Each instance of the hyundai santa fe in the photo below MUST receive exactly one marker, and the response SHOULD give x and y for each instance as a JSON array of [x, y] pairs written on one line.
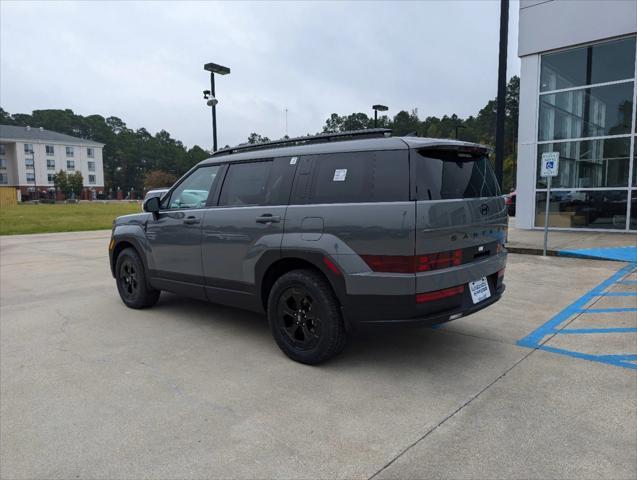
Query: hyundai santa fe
[[324, 234]]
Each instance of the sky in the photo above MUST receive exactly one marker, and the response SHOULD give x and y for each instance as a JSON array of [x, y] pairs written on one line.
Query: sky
[[143, 61]]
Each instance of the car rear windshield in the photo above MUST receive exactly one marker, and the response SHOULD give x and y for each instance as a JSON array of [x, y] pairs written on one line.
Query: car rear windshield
[[454, 174]]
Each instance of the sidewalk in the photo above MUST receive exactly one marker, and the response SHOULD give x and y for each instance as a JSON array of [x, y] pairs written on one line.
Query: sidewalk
[[609, 245]]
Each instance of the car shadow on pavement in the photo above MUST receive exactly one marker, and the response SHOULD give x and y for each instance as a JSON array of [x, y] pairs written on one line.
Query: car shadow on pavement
[[386, 347]]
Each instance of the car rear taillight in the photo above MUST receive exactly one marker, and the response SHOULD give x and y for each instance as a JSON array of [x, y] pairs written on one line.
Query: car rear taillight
[[436, 261], [439, 294], [389, 263], [413, 264]]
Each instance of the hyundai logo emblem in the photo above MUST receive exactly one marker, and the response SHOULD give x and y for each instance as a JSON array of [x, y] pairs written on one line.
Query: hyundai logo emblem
[[484, 209]]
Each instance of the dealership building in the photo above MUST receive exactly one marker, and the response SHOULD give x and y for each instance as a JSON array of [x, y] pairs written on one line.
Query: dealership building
[[578, 98]]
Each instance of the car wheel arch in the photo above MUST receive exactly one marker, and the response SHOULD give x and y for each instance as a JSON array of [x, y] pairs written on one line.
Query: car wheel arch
[[286, 264], [127, 242]]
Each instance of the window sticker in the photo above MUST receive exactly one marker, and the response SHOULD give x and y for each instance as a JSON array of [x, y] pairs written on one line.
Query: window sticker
[[293, 160], [339, 175]]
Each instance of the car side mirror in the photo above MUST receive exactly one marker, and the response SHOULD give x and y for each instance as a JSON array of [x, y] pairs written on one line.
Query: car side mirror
[[151, 205]]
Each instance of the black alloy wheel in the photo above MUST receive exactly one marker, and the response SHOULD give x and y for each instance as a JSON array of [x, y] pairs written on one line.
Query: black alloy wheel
[[305, 317], [298, 320]]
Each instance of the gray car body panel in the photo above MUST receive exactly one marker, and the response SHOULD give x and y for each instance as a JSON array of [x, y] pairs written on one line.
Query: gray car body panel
[[226, 256]]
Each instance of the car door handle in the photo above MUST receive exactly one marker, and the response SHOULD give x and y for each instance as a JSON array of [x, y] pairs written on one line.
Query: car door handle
[[191, 220], [268, 218]]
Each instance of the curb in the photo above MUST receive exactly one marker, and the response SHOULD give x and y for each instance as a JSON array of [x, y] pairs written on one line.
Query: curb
[[531, 251]]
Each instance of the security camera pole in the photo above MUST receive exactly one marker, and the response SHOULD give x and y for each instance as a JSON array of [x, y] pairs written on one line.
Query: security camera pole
[[378, 108], [212, 101]]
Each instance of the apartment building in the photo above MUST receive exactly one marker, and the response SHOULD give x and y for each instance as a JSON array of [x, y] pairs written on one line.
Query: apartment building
[[30, 157]]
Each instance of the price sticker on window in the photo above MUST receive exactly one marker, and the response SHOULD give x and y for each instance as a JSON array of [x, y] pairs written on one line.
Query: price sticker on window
[[340, 175]]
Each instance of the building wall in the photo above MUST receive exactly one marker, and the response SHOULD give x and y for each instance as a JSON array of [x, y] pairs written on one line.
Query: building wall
[[80, 158], [546, 26], [11, 167]]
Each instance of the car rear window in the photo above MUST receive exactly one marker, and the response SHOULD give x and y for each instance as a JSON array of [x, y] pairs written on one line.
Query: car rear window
[[453, 174], [360, 177]]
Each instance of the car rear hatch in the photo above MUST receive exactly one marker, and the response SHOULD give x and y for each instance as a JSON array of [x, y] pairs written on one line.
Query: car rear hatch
[[461, 224]]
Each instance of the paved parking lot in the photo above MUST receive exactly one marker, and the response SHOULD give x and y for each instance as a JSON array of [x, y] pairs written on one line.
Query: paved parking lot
[[90, 389]]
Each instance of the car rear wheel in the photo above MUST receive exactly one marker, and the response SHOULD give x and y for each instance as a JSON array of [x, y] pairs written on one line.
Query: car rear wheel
[[131, 281], [305, 317]]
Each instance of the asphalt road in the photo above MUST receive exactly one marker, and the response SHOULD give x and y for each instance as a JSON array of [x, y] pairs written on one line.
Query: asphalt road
[[91, 389]]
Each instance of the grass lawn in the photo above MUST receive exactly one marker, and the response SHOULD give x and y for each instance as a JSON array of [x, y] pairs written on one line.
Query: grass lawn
[[62, 217]]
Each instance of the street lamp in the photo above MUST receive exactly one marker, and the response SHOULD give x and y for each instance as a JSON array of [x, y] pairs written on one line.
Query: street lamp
[[378, 108], [210, 96]]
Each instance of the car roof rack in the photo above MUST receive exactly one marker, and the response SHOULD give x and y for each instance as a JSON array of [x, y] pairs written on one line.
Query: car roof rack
[[321, 138]]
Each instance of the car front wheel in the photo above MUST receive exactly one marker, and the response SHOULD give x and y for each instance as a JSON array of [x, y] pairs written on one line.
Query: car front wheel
[[131, 281]]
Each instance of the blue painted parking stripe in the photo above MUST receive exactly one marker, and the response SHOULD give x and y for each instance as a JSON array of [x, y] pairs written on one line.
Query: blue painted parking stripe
[[618, 294], [578, 331], [608, 310], [534, 338], [629, 357], [618, 361], [623, 254]]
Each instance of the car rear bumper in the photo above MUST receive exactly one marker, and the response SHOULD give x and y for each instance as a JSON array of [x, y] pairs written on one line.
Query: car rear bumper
[[361, 310]]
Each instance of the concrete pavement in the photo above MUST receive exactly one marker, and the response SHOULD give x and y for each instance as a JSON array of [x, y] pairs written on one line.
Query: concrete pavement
[[91, 389]]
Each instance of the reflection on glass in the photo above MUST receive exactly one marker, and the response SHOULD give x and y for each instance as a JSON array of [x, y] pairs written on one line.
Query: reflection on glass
[[590, 112], [604, 62], [633, 211], [589, 163], [591, 209]]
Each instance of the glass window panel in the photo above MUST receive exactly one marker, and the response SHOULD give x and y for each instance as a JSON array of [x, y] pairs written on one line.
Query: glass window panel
[[604, 62], [589, 112], [245, 184], [193, 191], [590, 209], [588, 163], [361, 177]]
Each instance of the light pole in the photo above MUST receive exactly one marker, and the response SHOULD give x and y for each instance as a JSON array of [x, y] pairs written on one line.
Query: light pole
[[502, 86], [457, 127], [209, 95], [378, 108]]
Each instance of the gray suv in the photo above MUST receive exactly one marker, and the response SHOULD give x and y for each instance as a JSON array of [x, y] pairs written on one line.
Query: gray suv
[[324, 234]]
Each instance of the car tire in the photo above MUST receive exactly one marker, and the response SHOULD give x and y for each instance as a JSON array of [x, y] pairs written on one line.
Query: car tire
[[132, 284], [305, 317]]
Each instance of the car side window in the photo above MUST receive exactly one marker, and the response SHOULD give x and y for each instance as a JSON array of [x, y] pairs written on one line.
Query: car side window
[[359, 177], [193, 191], [245, 184]]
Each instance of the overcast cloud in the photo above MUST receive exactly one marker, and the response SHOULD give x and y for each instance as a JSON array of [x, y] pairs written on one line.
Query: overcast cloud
[[143, 62]]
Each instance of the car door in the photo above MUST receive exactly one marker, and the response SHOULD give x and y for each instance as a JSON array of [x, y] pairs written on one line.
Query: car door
[[246, 224], [174, 233]]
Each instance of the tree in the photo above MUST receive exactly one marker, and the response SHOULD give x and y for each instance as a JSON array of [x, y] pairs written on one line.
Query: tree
[[76, 183], [334, 124], [61, 182], [159, 179], [256, 138]]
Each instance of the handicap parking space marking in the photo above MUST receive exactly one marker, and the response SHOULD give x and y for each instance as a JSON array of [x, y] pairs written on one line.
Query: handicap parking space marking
[[556, 326]]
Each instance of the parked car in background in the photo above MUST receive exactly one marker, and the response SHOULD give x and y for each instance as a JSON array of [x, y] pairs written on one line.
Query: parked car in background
[[155, 192], [509, 201], [324, 234]]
